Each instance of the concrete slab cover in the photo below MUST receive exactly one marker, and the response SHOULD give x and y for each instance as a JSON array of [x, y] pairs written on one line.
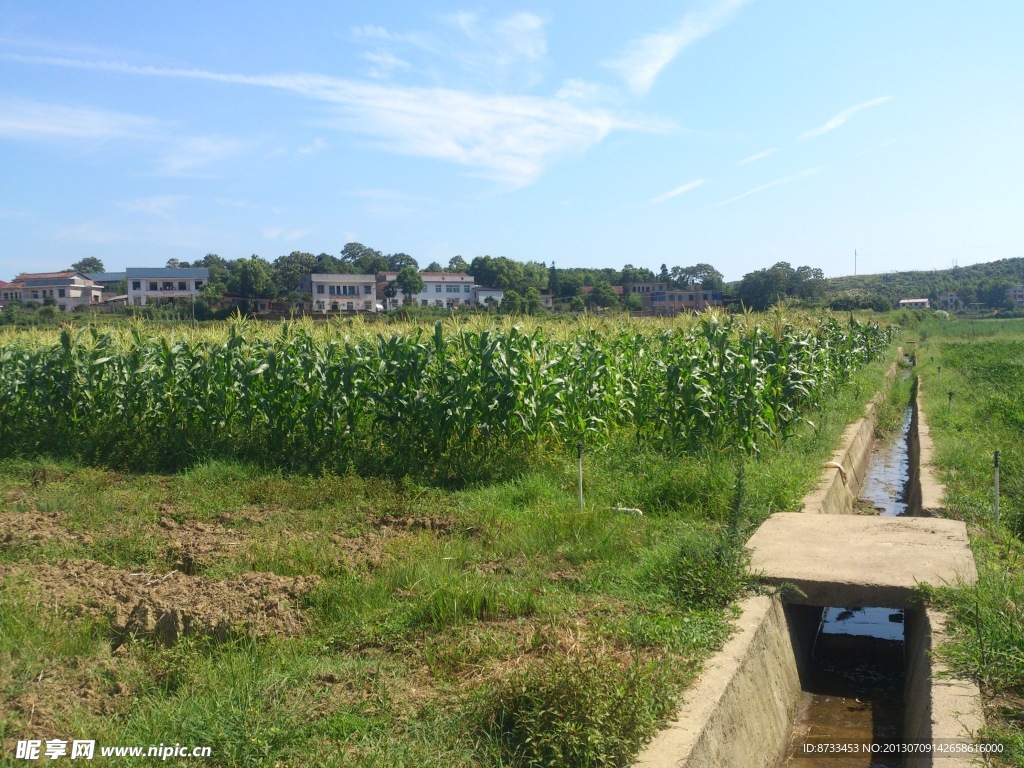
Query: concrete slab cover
[[853, 560]]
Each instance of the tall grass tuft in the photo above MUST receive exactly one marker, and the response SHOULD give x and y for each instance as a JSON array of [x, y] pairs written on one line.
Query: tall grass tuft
[[577, 711]]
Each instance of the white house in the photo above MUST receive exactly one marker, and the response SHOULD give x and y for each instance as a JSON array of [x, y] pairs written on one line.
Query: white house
[[337, 293], [915, 304], [67, 289], [440, 289], [146, 284], [493, 296]]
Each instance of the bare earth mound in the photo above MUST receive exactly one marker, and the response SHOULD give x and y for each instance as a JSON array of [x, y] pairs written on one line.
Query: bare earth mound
[[36, 527], [174, 604]]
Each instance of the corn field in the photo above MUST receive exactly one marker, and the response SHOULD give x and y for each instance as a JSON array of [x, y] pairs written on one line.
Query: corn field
[[452, 405]]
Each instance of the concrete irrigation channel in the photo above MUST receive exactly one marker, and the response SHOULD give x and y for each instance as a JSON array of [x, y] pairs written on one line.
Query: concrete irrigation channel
[[837, 668]]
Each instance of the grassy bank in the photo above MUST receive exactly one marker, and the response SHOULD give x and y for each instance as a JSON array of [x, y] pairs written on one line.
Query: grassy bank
[[982, 364]]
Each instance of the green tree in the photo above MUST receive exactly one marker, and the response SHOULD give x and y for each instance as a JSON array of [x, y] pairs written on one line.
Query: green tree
[[511, 302], [497, 272], [399, 261], [250, 278], [218, 267], [569, 284], [289, 270], [554, 281], [631, 274], [531, 302], [634, 303], [604, 294], [356, 258], [88, 264], [457, 264], [331, 265], [410, 283], [390, 292], [577, 304], [434, 267], [535, 275]]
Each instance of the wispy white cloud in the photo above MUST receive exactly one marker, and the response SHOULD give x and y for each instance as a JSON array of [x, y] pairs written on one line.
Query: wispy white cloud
[[288, 235], [841, 118], [758, 156], [777, 183], [196, 154], [387, 194], [97, 232], [877, 147], [179, 155], [581, 91], [161, 206], [383, 64], [490, 49], [688, 186], [317, 145], [508, 138], [376, 33], [645, 57], [23, 119]]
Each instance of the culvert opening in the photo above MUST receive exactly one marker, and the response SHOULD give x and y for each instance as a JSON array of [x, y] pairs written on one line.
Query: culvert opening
[[853, 674]]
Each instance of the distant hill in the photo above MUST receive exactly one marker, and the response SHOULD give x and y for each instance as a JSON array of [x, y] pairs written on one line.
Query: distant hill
[[984, 283]]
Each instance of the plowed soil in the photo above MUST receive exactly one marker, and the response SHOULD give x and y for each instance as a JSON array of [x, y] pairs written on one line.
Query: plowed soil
[[169, 606]]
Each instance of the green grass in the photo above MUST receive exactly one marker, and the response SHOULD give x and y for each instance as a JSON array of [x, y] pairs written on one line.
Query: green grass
[[982, 364]]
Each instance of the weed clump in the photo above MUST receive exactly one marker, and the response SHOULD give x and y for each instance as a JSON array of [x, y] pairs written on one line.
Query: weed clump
[[577, 711], [708, 571]]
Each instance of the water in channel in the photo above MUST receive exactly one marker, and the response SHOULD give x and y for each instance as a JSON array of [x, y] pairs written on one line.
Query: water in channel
[[853, 686]]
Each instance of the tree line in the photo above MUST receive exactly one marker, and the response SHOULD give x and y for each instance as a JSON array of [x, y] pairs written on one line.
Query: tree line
[[524, 282]]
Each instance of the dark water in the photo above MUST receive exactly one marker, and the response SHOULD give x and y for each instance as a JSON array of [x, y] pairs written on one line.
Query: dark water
[[853, 696], [853, 687]]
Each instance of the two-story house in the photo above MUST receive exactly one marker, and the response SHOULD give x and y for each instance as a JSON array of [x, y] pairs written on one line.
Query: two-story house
[[340, 293], [68, 289], [9, 292], [440, 289], [148, 284]]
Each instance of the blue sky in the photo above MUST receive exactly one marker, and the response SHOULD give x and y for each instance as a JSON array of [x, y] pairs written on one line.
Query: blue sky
[[735, 133]]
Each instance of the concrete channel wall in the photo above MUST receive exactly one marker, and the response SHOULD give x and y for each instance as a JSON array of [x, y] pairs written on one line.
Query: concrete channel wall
[[843, 476], [740, 712], [938, 706], [925, 492]]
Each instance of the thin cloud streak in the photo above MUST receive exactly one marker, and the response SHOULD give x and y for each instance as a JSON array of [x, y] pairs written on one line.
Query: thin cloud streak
[[771, 184], [841, 118], [688, 186], [758, 156], [507, 138], [22, 119], [645, 57], [182, 155]]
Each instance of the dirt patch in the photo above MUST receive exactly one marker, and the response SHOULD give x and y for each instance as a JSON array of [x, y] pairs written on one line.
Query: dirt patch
[[440, 525], [34, 527], [172, 605], [37, 710], [192, 546]]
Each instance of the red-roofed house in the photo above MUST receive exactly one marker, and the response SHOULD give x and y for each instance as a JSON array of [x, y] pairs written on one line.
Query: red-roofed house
[[68, 289], [9, 292]]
